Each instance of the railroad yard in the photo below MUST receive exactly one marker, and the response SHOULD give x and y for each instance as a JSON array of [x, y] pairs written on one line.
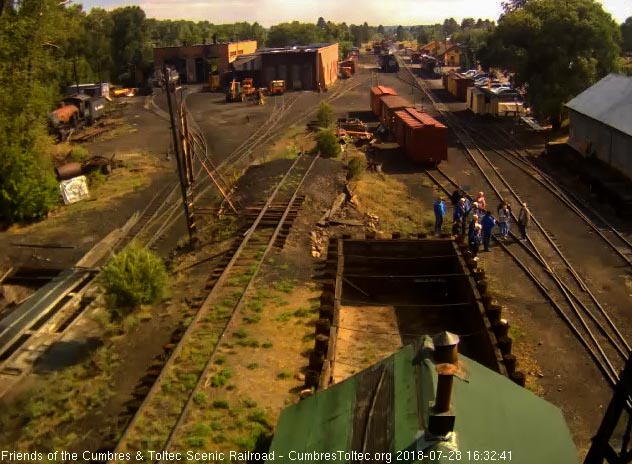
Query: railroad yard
[[304, 273]]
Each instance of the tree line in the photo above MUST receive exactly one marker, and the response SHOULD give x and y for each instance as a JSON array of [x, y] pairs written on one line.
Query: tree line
[[555, 51]]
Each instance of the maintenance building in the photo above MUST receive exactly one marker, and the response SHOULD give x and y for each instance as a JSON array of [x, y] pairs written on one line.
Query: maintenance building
[[195, 63], [305, 67], [601, 122]]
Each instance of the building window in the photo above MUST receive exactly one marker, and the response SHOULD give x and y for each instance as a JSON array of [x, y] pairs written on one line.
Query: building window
[[232, 54], [240, 52]]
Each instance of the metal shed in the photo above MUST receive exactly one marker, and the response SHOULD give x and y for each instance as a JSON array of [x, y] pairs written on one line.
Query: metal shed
[[601, 122]]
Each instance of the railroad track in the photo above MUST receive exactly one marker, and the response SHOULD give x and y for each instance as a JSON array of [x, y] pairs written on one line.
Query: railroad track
[[588, 321], [164, 410], [234, 163], [555, 276], [61, 302], [516, 160]]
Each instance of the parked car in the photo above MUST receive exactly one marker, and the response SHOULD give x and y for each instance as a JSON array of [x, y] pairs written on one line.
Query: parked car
[[470, 73], [479, 76], [482, 82], [497, 85], [504, 89]]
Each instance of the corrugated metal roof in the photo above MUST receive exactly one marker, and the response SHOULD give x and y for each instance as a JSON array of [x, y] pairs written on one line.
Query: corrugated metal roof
[[416, 118], [382, 89], [395, 101], [297, 48], [608, 101], [385, 407]]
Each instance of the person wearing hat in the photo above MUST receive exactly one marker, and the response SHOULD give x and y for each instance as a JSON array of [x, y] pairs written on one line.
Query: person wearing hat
[[475, 239], [459, 211], [472, 224], [524, 217], [475, 208], [439, 211]]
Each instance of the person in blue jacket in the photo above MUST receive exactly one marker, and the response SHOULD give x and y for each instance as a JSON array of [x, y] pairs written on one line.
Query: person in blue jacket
[[487, 223], [439, 211], [475, 239]]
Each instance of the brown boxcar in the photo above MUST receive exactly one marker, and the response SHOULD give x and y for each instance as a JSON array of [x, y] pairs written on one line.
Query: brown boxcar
[[376, 93], [444, 79], [349, 64], [390, 104], [458, 84], [422, 138]]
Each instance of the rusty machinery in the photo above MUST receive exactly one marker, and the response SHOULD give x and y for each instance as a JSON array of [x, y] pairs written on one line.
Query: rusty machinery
[[75, 112]]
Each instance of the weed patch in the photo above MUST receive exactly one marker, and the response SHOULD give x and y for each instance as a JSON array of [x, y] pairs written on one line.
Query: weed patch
[[241, 333], [221, 378], [284, 375], [221, 404]]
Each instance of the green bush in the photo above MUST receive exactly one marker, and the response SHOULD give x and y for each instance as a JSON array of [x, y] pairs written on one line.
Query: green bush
[[356, 167], [78, 154], [325, 115], [28, 189], [134, 277], [327, 144]]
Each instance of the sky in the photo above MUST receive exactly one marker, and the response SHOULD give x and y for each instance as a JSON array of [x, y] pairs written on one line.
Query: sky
[[375, 12]]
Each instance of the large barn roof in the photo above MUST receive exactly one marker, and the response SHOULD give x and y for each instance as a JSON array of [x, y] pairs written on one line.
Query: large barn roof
[[608, 101]]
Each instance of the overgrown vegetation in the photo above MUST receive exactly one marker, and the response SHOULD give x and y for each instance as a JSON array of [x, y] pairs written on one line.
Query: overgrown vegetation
[[327, 144], [221, 378], [325, 115], [356, 167], [133, 277], [37, 418]]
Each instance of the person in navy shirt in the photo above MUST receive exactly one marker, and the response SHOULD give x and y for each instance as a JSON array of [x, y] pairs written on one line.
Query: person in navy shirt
[[487, 223], [439, 211]]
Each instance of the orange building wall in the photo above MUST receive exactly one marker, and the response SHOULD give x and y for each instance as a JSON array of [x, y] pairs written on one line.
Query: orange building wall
[[241, 48], [452, 58], [225, 53], [328, 64]]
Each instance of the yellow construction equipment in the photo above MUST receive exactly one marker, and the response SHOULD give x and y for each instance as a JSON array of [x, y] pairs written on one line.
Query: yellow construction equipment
[[234, 93], [277, 87], [247, 87], [213, 82], [260, 98]]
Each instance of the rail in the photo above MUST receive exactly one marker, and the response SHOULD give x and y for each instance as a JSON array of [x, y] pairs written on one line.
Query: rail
[[201, 330], [614, 340]]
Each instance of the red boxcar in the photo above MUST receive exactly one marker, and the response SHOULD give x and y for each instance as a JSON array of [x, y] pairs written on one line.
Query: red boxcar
[[390, 104], [349, 64], [376, 93], [422, 138]]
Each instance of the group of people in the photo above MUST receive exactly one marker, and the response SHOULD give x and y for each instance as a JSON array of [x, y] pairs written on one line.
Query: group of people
[[474, 219]]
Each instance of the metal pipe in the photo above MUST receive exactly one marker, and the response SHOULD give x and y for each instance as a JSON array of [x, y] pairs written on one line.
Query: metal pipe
[[445, 379]]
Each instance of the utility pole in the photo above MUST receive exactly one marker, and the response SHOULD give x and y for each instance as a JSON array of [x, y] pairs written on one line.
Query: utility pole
[[74, 69], [185, 187]]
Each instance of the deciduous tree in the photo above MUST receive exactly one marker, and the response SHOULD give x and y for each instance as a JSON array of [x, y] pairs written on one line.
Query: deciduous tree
[[450, 26], [626, 33], [556, 50]]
